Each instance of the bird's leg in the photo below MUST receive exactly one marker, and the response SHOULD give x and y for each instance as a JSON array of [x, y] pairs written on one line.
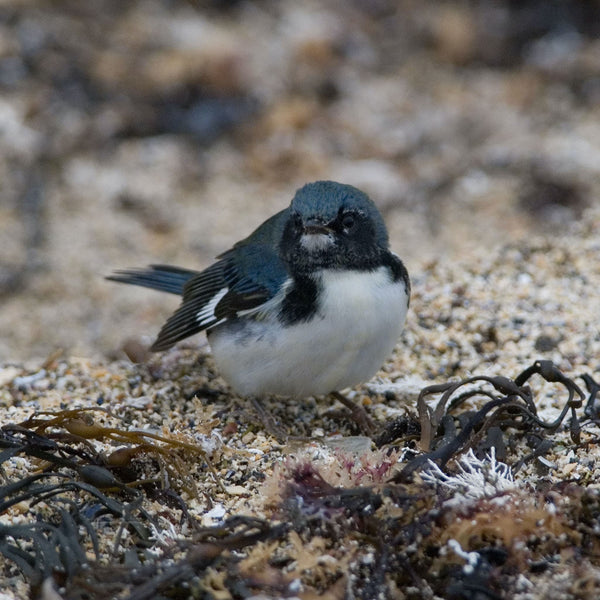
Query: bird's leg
[[268, 420], [358, 412]]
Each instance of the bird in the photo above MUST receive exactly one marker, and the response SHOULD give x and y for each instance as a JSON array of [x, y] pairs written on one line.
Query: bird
[[310, 303]]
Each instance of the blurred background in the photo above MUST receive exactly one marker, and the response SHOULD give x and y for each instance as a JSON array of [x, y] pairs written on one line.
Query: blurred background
[[135, 132]]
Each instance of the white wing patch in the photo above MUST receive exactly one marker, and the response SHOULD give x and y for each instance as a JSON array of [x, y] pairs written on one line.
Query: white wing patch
[[270, 307], [207, 314]]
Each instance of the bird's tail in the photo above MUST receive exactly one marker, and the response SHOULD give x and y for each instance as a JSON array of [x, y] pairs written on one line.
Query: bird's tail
[[157, 277]]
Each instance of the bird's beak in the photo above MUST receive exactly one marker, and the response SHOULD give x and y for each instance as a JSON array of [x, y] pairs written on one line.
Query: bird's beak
[[316, 227], [316, 236]]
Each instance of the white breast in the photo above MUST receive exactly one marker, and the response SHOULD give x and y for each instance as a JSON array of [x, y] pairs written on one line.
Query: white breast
[[358, 321]]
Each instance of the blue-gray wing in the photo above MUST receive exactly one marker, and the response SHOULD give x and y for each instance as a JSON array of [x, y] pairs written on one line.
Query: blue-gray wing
[[243, 279], [240, 281]]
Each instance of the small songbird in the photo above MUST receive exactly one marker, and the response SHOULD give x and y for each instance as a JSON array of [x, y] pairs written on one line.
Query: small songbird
[[312, 302]]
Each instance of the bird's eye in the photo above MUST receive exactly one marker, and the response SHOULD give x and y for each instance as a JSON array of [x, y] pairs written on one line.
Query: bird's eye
[[348, 222]]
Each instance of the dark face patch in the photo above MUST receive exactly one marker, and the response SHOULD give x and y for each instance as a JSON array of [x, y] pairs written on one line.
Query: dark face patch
[[325, 200], [349, 230]]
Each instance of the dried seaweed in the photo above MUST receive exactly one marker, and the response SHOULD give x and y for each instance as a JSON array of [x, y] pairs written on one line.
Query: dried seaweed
[[315, 508], [410, 551], [71, 492], [510, 405], [178, 572], [309, 497], [402, 534], [63, 512], [63, 439], [591, 410]]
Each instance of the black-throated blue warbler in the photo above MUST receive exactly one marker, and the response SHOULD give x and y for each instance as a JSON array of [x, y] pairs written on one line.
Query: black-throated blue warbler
[[312, 302]]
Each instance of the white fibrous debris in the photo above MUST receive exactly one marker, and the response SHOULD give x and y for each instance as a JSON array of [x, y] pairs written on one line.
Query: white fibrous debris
[[164, 537], [472, 558], [476, 478]]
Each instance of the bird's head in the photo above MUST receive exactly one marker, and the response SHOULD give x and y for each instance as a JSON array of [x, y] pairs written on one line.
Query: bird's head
[[333, 225]]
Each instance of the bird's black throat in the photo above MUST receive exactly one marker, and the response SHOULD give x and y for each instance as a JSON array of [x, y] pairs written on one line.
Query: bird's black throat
[[300, 302]]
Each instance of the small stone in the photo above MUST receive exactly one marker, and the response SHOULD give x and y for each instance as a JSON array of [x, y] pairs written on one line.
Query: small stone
[[248, 437], [136, 351], [236, 490], [545, 343], [8, 374]]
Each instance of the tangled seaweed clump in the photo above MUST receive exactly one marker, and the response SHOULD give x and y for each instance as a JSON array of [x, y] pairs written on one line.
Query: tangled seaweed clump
[[432, 512]]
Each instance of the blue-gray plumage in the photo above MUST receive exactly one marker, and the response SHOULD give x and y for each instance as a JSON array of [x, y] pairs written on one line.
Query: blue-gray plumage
[[312, 302]]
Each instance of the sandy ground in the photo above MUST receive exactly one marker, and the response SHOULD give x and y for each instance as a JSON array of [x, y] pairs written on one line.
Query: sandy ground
[[165, 131], [323, 511], [144, 132]]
